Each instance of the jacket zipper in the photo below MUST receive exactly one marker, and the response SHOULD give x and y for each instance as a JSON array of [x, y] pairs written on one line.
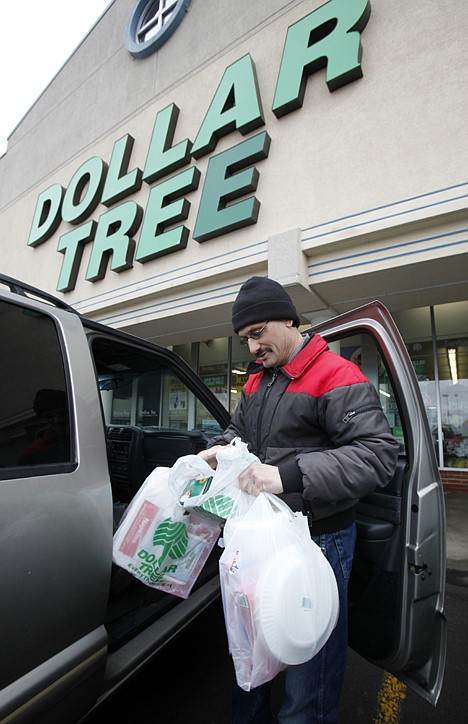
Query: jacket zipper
[[352, 413], [262, 409], [274, 376]]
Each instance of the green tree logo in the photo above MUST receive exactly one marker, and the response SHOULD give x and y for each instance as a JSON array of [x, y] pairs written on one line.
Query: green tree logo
[[173, 537]]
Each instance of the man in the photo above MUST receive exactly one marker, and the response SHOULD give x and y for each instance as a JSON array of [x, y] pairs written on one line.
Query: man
[[315, 422]]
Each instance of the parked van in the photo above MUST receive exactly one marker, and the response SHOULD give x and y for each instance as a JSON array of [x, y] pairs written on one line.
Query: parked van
[[86, 413]]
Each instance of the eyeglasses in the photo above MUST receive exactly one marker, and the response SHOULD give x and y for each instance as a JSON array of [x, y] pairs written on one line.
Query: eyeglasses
[[254, 334]]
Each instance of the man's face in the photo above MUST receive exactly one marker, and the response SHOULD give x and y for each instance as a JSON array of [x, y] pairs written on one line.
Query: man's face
[[272, 342]]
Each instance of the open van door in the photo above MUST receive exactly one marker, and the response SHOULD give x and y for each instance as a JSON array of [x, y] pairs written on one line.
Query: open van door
[[396, 597]]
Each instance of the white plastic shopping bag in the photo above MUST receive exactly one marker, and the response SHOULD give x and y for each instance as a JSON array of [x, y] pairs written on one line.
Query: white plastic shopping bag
[[279, 592], [159, 543], [196, 485]]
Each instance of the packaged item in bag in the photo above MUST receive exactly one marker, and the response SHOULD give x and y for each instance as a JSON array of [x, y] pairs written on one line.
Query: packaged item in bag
[[159, 543], [280, 595], [196, 485], [190, 480]]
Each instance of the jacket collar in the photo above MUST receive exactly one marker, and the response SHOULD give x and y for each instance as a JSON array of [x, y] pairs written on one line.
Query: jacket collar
[[299, 363]]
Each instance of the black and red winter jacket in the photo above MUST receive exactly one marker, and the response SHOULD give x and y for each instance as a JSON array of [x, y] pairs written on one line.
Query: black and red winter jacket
[[319, 420]]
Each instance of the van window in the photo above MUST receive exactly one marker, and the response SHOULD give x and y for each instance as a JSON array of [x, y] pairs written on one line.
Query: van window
[[140, 389], [34, 410], [363, 351]]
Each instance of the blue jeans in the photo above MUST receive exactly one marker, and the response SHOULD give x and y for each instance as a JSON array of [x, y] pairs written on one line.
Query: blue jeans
[[312, 690]]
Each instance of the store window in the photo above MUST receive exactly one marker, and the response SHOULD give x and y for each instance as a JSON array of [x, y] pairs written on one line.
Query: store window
[[140, 389], [451, 322], [240, 360], [437, 341], [213, 366], [152, 399]]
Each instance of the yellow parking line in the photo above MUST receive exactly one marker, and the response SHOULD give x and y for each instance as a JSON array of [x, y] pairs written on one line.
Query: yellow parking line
[[391, 695]]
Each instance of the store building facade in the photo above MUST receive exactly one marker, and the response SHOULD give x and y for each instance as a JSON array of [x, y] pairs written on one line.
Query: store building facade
[[187, 145]]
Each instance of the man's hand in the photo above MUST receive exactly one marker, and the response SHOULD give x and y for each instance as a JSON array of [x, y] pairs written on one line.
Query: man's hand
[[261, 478], [210, 455]]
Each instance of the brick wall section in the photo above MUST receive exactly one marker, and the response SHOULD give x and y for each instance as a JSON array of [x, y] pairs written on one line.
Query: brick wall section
[[455, 481]]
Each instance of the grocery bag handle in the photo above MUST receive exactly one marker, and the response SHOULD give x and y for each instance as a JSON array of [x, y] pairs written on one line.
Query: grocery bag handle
[[275, 502]]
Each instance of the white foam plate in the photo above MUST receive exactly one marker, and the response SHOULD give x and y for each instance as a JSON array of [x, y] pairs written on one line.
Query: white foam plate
[[298, 606]]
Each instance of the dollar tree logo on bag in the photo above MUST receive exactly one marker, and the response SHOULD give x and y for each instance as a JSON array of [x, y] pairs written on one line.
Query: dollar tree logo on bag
[[220, 505], [172, 536]]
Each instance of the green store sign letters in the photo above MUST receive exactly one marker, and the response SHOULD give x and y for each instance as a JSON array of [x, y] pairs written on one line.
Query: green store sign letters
[[329, 36]]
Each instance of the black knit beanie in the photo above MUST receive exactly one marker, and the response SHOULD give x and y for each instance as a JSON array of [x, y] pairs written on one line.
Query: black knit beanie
[[262, 300]]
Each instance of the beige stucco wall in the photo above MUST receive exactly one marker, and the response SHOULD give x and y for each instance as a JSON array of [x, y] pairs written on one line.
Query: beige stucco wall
[[363, 193]]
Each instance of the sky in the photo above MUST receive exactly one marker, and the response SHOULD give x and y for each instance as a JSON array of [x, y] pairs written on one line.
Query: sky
[[36, 38]]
